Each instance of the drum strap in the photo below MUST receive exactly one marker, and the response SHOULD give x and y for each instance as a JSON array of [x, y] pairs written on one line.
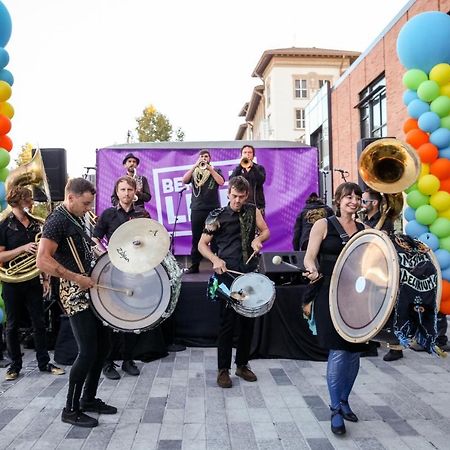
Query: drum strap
[[342, 233]]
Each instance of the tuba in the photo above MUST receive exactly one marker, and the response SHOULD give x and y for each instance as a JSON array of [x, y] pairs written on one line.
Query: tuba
[[201, 174], [389, 166], [23, 267]]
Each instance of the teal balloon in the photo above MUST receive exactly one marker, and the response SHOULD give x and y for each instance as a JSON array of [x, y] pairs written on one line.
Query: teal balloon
[[5, 25], [415, 229], [426, 214], [413, 78], [415, 199], [444, 153], [441, 106], [409, 213], [2, 192], [430, 239], [4, 58], [423, 41], [4, 172], [443, 257], [3, 203], [6, 75], [429, 122], [1, 315], [417, 107], [441, 227], [5, 158], [408, 96], [428, 91], [440, 138]]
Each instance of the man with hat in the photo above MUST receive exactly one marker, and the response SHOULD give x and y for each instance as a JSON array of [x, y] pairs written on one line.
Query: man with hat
[[131, 162]]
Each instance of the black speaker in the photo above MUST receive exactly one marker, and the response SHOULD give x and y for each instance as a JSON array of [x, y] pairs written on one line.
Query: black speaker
[[55, 164], [283, 273]]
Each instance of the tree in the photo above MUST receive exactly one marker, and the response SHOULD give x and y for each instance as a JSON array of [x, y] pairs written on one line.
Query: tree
[[154, 126]]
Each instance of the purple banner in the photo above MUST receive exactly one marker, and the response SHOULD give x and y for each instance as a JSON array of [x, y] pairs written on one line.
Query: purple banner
[[291, 176]]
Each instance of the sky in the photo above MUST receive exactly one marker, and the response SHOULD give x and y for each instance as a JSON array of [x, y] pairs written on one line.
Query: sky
[[84, 70]]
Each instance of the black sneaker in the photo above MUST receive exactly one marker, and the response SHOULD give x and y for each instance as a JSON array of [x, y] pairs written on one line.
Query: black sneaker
[[54, 370], [109, 370], [78, 419], [193, 269], [98, 406], [393, 355], [130, 368]]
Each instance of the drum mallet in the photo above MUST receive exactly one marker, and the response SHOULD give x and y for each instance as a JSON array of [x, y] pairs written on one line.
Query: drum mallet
[[277, 260], [128, 292]]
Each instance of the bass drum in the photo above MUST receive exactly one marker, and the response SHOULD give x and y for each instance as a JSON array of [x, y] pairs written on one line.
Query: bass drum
[[151, 297], [380, 290]]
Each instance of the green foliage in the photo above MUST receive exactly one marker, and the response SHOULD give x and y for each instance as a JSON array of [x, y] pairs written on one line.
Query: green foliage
[[154, 126]]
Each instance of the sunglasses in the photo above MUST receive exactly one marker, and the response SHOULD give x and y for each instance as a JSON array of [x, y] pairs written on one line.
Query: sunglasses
[[367, 201]]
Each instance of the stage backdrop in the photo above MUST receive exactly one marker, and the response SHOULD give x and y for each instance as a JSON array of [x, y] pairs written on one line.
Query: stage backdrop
[[291, 168]]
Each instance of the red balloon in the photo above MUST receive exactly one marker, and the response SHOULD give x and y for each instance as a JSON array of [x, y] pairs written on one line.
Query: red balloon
[[428, 153], [6, 142], [416, 138], [410, 124], [5, 124], [440, 168], [445, 185]]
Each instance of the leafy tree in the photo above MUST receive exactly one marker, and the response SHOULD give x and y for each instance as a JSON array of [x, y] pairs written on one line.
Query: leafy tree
[[154, 126]]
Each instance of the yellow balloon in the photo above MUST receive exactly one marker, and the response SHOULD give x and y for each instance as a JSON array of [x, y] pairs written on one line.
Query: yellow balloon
[[7, 110], [440, 73], [5, 91], [424, 170], [440, 201], [445, 90], [428, 184], [445, 214]]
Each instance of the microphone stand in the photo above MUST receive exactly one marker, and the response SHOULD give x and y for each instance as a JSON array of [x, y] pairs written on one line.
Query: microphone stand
[[172, 237]]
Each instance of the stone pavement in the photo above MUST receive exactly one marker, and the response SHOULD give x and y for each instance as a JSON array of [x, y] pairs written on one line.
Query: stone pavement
[[175, 404]]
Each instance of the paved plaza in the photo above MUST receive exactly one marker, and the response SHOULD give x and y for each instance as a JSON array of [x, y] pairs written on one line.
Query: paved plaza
[[176, 404]]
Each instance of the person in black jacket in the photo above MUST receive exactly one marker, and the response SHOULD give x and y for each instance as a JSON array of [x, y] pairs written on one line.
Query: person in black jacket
[[314, 210], [255, 174]]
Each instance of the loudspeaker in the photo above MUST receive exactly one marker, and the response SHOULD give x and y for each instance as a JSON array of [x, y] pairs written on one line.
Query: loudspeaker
[[282, 273], [55, 164]]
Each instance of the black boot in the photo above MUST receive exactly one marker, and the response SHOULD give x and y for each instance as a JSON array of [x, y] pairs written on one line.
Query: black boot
[[337, 421], [393, 355], [347, 412]]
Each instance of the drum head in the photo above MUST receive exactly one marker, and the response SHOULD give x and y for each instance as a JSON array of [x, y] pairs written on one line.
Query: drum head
[[151, 292], [364, 286]]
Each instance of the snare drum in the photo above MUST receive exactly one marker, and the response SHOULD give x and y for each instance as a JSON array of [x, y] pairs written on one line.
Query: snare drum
[[154, 295], [257, 293]]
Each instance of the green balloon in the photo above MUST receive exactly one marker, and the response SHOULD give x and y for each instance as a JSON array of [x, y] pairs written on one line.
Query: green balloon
[[441, 106], [444, 243], [426, 214], [428, 90], [445, 122], [4, 173], [413, 78], [5, 158], [441, 227], [413, 187], [415, 199]]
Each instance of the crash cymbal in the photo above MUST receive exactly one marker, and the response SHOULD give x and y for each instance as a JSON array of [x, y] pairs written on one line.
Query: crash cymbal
[[138, 245]]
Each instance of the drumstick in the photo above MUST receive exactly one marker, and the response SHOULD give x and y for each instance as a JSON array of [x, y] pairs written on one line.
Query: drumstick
[[251, 256], [75, 254], [125, 291], [235, 271]]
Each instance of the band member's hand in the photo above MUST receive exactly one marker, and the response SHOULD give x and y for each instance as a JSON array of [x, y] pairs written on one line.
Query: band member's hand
[[84, 282], [312, 275], [98, 250], [307, 309], [31, 247], [256, 245], [46, 288], [219, 266], [199, 160]]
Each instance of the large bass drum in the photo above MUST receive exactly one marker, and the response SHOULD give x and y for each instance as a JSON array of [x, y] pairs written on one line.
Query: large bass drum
[[151, 298], [385, 289]]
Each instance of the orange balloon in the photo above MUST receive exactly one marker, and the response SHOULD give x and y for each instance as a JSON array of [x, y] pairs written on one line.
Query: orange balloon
[[410, 124], [445, 295], [416, 138], [428, 153], [445, 185], [440, 168], [5, 124], [444, 307], [6, 142]]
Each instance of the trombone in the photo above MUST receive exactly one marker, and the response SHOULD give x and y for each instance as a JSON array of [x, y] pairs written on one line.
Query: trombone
[[245, 162]]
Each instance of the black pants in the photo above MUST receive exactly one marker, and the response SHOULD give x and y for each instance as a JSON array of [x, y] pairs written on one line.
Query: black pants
[[441, 329], [197, 224], [15, 296], [93, 344], [121, 343], [228, 319]]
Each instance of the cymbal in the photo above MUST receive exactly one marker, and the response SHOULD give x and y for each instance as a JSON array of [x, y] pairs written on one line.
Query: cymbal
[[138, 245]]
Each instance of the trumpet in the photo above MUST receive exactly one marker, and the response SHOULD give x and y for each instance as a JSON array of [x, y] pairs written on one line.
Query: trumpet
[[202, 165], [246, 163], [134, 169]]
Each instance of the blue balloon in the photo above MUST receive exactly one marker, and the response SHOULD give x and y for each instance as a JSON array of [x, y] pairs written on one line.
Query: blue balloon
[[430, 239], [4, 58], [7, 76], [444, 153], [1, 315], [5, 25], [2, 190], [443, 256], [415, 229], [417, 107], [440, 138], [428, 121], [446, 274], [409, 96], [424, 40], [409, 214]]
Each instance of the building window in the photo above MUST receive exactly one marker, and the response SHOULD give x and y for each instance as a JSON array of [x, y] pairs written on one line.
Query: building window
[[268, 93], [300, 118], [301, 89], [322, 83], [372, 109]]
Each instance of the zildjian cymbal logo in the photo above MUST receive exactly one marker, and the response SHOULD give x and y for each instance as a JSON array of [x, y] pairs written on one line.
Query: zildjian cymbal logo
[[123, 254], [155, 232]]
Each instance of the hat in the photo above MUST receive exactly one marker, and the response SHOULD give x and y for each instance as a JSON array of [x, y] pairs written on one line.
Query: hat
[[130, 155]]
